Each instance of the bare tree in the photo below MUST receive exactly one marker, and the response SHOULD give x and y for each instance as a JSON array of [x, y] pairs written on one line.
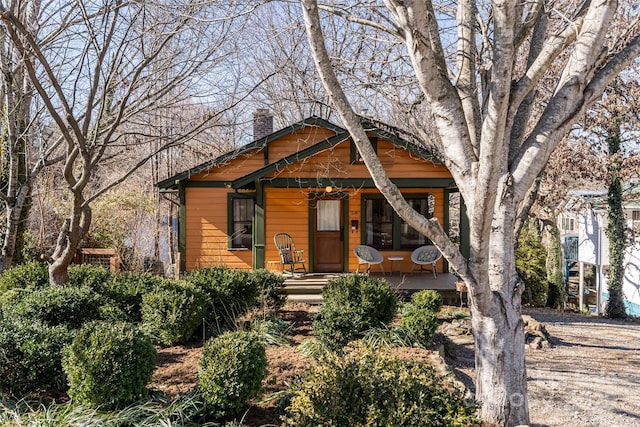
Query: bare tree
[[491, 138], [106, 71], [25, 146]]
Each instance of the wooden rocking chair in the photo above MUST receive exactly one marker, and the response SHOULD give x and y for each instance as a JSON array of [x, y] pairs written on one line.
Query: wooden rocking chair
[[289, 256]]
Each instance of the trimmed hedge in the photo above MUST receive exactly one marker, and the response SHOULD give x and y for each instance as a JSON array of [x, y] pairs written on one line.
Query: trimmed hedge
[[351, 305], [109, 364], [372, 388], [172, 311], [31, 355], [231, 293], [231, 370], [30, 276], [125, 291], [54, 306]]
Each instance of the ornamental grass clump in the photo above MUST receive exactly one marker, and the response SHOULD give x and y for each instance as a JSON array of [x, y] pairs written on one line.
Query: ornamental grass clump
[[231, 370], [352, 304], [109, 364]]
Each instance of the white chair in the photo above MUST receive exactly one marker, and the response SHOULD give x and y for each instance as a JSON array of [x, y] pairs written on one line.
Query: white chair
[[426, 256], [368, 255]]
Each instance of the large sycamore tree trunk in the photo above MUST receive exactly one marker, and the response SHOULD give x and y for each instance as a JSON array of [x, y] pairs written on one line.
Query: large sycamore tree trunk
[[494, 146]]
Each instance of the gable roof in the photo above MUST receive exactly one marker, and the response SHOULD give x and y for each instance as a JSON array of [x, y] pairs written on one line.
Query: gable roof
[[374, 128], [258, 143]]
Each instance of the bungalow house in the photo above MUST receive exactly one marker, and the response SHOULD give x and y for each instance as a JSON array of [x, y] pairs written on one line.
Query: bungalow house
[[306, 180], [583, 232]]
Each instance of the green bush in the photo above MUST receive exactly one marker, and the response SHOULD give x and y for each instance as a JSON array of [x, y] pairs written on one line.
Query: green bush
[[371, 388], [30, 276], [109, 364], [125, 292], [270, 295], [419, 317], [531, 258], [231, 293], [427, 299], [231, 370], [54, 306], [91, 276], [31, 355], [351, 305], [172, 311]]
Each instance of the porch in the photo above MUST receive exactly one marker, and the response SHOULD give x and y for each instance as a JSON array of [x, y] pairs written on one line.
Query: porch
[[308, 288]]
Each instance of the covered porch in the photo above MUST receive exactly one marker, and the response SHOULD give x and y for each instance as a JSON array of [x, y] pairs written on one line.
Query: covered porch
[[308, 288]]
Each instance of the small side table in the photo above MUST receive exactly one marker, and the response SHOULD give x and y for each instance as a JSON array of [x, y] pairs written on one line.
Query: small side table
[[392, 259]]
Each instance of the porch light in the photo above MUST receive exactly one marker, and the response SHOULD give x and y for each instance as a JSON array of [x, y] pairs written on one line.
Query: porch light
[[328, 189]]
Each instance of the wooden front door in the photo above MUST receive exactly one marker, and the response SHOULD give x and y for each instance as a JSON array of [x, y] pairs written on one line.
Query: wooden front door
[[328, 248]]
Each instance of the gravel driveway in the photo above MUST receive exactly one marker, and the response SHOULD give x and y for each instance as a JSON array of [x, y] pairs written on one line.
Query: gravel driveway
[[590, 377]]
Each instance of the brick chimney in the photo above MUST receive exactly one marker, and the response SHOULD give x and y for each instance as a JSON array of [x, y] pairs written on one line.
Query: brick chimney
[[262, 123]]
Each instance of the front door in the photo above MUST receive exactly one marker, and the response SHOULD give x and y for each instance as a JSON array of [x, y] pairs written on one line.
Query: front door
[[328, 249]]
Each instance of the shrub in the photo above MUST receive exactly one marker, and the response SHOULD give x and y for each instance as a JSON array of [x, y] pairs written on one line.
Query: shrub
[[230, 292], [59, 306], [351, 305], [231, 370], [91, 276], [531, 258], [30, 276], [172, 311], [125, 292], [269, 289], [31, 355], [419, 318], [427, 299], [371, 388], [109, 364]]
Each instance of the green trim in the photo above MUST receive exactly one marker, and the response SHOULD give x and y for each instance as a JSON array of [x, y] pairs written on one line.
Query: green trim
[[259, 232], [206, 184], [354, 155], [259, 143], [230, 198], [182, 228], [294, 158], [344, 183], [421, 151], [311, 224]]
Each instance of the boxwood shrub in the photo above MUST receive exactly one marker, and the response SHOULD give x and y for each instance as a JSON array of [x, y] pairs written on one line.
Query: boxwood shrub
[[55, 305], [372, 388], [125, 292], [419, 317], [172, 311], [231, 370], [231, 293], [109, 364], [30, 276], [351, 305], [31, 355], [91, 276]]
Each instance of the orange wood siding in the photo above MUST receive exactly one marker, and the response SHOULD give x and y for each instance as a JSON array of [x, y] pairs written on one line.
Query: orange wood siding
[[336, 163], [297, 141], [206, 231], [254, 159], [286, 211]]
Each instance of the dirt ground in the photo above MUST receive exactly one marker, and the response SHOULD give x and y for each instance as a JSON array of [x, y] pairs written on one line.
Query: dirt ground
[[588, 377]]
